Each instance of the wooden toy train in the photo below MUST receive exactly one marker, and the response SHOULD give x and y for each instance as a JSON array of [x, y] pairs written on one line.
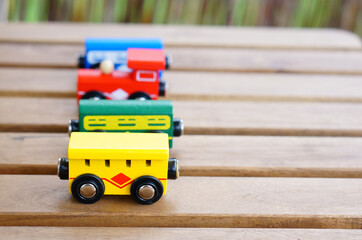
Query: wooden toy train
[[135, 164], [141, 81], [115, 49], [127, 116], [121, 147]]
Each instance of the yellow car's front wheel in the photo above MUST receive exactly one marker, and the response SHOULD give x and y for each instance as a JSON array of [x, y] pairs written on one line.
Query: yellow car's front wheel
[[146, 190], [87, 188]]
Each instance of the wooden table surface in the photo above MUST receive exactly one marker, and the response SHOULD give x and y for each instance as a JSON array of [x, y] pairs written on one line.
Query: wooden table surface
[[272, 144]]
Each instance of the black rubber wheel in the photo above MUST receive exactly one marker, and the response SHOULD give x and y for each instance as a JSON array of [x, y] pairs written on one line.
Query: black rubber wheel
[[95, 66], [168, 62], [95, 95], [154, 131], [162, 88], [81, 61], [92, 180], [173, 169], [178, 127], [63, 168], [148, 181], [73, 126], [140, 96]]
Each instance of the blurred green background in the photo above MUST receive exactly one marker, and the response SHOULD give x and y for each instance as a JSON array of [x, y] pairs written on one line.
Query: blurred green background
[[345, 14]]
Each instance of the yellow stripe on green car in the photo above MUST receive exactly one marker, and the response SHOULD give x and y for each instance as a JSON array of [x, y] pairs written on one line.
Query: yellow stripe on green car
[[127, 122]]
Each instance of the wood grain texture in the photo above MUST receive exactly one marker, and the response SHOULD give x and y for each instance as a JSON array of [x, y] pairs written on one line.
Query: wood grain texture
[[194, 36], [15, 233], [243, 156], [199, 59], [38, 82], [202, 86], [209, 202], [208, 117], [233, 103], [275, 61]]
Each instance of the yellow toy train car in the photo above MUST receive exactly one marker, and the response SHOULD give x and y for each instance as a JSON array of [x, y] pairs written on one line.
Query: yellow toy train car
[[134, 164]]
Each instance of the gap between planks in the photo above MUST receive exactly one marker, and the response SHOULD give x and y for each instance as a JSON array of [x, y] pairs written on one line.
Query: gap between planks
[[228, 156], [209, 202], [62, 128], [202, 171], [185, 97]]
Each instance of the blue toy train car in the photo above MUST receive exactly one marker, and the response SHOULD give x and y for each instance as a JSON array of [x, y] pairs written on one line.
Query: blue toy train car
[[115, 49]]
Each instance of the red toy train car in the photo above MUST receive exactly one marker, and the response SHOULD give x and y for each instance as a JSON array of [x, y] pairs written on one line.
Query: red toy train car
[[139, 81]]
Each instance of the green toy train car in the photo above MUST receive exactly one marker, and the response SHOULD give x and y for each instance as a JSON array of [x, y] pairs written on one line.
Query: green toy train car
[[127, 116]]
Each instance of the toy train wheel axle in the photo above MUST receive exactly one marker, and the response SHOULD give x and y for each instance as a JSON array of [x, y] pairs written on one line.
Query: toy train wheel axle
[[146, 192], [88, 190]]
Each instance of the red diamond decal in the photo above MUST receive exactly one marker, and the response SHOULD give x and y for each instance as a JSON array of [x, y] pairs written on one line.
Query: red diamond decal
[[120, 179]]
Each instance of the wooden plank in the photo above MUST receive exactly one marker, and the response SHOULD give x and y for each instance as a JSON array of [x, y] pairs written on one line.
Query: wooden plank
[[194, 36], [209, 202], [38, 82], [15, 233], [199, 59], [208, 117], [35, 82], [275, 61], [243, 156]]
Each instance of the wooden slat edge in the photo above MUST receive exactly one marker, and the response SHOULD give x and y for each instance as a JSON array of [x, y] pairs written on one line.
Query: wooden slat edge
[[14, 233]]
